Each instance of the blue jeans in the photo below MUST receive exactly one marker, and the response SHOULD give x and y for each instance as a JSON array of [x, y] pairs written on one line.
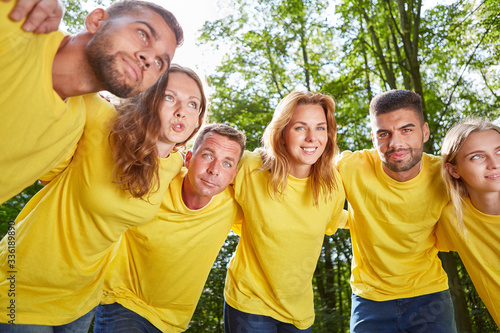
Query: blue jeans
[[236, 321], [81, 325], [422, 314], [115, 317]]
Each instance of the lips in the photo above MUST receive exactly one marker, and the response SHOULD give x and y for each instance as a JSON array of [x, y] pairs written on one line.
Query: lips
[[397, 155], [309, 150], [178, 127], [208, 183], [493, 177], [132, 69]]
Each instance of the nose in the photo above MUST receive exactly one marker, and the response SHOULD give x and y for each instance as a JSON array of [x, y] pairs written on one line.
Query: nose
[[310, 136], [494, 162], [213, 168], [146, 58], [179, 111], [395, 140]]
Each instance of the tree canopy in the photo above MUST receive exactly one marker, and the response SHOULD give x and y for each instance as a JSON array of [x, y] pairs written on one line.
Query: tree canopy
[[352, 50]]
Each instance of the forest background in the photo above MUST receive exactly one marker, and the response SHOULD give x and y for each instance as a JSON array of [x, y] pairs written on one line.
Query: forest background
[[448, 53]]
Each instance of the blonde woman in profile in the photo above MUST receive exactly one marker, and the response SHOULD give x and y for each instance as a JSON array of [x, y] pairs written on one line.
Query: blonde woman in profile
[[291, 195], [470, 224]]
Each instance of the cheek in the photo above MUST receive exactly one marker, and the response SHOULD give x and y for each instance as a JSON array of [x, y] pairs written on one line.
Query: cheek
[[165, 116], [469, 173], [192, 121], [149, 79], [291, 139]]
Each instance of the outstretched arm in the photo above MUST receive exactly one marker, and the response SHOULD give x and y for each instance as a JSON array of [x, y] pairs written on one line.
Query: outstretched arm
[[42, 16]]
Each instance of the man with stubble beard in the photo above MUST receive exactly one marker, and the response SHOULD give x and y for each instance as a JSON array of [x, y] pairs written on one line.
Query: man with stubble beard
[[396, 196], [47, 79]]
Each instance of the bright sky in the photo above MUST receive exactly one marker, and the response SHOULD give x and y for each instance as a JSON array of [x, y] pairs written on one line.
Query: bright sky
[[191, 15]]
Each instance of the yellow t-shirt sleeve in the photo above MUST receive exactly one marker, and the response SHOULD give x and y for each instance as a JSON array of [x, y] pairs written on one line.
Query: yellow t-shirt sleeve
[[445, 226]]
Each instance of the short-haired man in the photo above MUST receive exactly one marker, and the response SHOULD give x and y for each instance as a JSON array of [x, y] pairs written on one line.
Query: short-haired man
[[396, 196], [124, 50], [158, 274]]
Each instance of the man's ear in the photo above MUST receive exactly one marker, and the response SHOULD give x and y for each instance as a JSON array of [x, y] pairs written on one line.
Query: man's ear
[[453, 172], [95, 20], [187, 159], [426, 132]]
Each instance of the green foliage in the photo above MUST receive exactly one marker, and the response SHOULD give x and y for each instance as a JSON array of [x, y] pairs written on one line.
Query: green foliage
[[331, 284], [208, 316], [288, 48], [77, 11], [11, 208], [353, 50]]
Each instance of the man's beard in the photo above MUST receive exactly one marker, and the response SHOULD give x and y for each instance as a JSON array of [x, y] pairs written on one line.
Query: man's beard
[[401, 166], [103, 65]]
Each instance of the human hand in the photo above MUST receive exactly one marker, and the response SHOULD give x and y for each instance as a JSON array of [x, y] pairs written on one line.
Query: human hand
[[42, 16]]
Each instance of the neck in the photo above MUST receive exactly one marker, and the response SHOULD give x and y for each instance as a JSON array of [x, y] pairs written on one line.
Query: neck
[[403, 176], [164, 149], [301, 172], [71, 72], [191, 198], [487, 203]]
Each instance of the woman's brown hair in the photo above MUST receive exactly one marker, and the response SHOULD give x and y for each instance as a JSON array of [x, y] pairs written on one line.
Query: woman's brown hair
[[135, 133]]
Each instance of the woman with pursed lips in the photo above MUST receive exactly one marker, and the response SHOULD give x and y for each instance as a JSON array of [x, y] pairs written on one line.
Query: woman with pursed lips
[[116, 179]]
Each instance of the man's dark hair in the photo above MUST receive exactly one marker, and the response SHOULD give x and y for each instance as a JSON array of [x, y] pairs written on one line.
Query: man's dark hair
[[127, 6], [393, 100]]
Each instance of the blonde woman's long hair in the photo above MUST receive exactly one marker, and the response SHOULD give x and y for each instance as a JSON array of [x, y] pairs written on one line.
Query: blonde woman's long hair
[[276, 158], [452, 144]]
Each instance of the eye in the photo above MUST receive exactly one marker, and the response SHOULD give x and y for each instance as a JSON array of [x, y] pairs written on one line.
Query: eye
[[476, 157], [299, 128], [193, 105], [226, 164], [169, 98], [143, 35], [406, 130], [207, 156], [321, 128], [158, 63], [382, 135]]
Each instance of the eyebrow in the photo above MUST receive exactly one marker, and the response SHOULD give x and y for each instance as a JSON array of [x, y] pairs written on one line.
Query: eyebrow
[[479, 151], [208, 149], [151, 29], [175, 93], [213, 152], [474, 153], [410, 125], [304, 123], [165, 56]]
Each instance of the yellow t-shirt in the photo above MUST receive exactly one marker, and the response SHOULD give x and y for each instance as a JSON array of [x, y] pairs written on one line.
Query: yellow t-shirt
[[65, 236], [392, 227], [271, 272], [479, 251], [37, 129], [161, 267]]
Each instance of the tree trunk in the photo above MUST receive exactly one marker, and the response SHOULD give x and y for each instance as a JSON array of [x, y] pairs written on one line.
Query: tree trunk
[[462, 318]]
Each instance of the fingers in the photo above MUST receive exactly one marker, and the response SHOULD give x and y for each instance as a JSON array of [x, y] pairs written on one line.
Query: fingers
[[42, 16], [47, 26]]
